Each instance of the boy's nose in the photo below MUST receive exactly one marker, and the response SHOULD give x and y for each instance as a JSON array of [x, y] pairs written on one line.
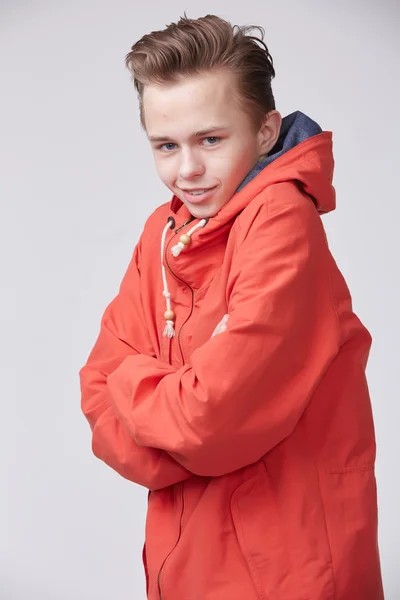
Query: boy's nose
[[191, 167]]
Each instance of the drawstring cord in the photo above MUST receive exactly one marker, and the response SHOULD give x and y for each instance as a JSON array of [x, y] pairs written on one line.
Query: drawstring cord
[[184, 241], [169, 314]]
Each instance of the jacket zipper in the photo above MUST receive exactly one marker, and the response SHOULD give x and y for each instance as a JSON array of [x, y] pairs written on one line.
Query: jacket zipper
[[183, 325], [183, 483], [184, 225], [176, 543]]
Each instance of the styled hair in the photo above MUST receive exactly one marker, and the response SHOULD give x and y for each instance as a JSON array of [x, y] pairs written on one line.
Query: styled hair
[[195, 46]]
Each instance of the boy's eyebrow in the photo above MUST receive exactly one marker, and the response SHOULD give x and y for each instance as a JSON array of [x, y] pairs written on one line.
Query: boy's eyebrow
[[203, 132]]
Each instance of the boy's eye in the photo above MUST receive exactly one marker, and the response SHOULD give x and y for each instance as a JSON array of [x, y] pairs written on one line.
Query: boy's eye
[[213, 137], [168, 146]]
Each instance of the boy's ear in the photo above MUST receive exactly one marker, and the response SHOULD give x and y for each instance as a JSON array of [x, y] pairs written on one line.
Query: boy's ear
[[269, 132]]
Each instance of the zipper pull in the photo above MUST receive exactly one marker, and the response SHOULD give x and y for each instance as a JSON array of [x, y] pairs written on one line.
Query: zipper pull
[[184, 225]]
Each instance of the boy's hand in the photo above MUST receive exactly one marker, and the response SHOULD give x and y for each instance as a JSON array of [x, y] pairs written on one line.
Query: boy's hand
[[221, 325]]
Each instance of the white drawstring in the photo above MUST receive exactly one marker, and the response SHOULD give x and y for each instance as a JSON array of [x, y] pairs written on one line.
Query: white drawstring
[[185, 239], [169, 314]]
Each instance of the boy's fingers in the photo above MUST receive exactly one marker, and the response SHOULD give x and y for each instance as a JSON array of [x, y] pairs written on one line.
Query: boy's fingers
[[221, 325]]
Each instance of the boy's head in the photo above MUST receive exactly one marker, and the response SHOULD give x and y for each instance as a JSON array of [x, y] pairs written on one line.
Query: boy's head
[[206, 105]]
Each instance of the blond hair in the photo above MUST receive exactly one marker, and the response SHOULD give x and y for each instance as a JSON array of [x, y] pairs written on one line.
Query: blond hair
[[195, 46]]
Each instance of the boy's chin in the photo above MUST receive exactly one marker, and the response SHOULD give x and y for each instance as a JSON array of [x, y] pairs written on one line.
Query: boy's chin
[[203, 211]]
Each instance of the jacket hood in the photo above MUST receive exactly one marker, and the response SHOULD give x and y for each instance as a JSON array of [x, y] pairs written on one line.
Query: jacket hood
[[303, 153]]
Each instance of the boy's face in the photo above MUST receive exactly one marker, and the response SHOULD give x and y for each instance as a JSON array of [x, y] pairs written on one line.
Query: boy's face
[[205, 139]]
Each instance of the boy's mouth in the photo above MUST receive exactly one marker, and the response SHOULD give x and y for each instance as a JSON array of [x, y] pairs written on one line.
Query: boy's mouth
[[198, 195]]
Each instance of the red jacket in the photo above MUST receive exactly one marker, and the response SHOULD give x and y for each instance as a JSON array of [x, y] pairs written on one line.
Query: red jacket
[[257, 444]]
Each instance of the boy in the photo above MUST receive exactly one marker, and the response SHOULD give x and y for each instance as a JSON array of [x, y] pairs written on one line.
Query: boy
[[228, 377]]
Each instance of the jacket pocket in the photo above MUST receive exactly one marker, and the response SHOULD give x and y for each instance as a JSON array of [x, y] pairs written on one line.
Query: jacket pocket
[[272, 541]]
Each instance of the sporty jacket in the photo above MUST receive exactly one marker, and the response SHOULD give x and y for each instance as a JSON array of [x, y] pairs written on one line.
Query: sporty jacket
[[256, 444]]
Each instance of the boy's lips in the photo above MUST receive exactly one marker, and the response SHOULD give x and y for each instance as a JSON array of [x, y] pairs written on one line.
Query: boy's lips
[[197, 198]]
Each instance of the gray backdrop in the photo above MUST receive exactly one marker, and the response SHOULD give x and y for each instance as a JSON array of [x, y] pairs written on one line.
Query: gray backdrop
[[77, 182]]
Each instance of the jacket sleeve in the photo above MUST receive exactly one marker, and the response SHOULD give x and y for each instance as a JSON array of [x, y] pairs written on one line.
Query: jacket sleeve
[[122, 334], [245, 389]]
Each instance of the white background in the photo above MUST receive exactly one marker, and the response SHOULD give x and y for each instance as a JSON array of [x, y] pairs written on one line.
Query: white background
[[77, 183]]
